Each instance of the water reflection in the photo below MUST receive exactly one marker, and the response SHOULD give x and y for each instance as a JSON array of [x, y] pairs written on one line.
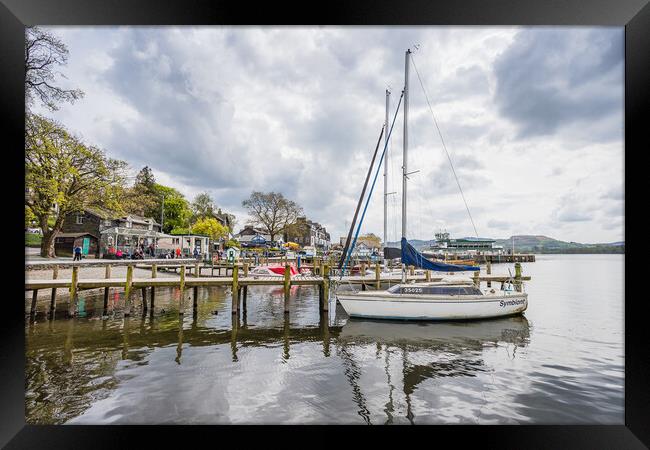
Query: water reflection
[[264, 366], [461, 343]]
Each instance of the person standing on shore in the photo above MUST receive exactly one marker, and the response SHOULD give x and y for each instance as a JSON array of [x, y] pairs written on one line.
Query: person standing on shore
[[77, 253]]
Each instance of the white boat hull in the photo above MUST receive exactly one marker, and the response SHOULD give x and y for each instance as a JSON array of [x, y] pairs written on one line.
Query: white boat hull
[[405, 307]]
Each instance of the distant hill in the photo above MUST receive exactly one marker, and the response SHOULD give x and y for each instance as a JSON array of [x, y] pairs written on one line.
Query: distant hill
[[538, 244], [417, 243], [545, 244]]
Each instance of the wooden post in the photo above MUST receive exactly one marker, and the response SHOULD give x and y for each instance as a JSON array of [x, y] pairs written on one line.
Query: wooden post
[[245, 269], [378, 276], [287, 287], [518, 277], [244, 297], [107, 275], [197, 270], [195, 301], [154, 271], [477, 282], [127, 290], [55, 275], [182, 287], [73, 290], [153, 297], [326, 287], [489, 271], [144, 300], [427, 274], [235, 289], [412, 270], [32, 309]]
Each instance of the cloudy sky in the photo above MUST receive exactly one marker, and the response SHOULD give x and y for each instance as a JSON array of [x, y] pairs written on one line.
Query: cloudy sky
[[532, 118]]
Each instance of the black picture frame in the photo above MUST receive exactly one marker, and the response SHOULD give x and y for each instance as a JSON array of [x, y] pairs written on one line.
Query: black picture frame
[[634, 15]]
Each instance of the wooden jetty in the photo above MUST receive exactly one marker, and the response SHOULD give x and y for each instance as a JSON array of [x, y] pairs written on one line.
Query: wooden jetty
[[238, 282]]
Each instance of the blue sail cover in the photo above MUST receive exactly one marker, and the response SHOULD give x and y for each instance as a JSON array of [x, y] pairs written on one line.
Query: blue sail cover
[[411, 257]]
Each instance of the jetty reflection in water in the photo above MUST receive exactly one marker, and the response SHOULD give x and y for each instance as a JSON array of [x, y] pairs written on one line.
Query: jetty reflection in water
[[166, 368]]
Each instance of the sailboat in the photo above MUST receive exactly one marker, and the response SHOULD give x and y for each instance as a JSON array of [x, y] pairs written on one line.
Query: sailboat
[[453, 298]]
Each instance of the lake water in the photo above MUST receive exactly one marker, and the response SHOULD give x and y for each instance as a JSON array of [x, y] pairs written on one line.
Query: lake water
[[562, 362]]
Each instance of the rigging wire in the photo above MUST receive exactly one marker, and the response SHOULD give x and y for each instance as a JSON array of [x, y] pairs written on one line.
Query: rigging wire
[[356, 235], [444, 146]]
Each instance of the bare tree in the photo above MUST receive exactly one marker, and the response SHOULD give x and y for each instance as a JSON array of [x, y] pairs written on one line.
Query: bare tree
[[271, 211], [43, 53]]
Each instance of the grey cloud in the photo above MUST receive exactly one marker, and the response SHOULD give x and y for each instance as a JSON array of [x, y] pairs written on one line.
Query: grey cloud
[[553, 78], [615, 193], [499, 224]]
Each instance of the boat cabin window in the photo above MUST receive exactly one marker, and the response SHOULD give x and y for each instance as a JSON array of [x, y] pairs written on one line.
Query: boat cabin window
[[435, 290]]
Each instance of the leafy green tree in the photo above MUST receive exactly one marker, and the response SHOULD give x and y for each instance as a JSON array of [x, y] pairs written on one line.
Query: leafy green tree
[[210, 227], [232, 243], [43, 53], [177, 211], [62, 171], [370, 239]]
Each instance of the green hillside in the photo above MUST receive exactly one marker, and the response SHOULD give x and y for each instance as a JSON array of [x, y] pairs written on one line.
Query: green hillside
[[545, 244], [538, 244]]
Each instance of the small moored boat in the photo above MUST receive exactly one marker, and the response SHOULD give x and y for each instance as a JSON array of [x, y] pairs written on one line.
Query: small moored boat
[[445, 300]]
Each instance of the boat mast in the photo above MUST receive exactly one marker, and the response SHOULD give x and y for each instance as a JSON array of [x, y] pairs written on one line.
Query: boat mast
[[386, 174], [406, 141], [405, 152]]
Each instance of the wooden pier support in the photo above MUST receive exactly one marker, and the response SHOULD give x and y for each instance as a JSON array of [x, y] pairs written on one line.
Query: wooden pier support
[[287, 287], [235, 289], [477, 281], [144, 300], [195, 300], [518, 277], [244, 297], [73, 291], [154, 271], [127, 290], [197, 270], [245, 269], [489, 272], [153, 297], [326, 287], [377, 276], [32, 309], [55, 275], [107, 275], [427, 274], [181, 302]]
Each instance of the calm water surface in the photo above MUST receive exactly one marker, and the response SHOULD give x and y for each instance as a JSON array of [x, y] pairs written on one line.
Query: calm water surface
[[560, 363]]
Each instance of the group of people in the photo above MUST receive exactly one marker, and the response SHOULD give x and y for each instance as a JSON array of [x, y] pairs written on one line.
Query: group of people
[[171, 254], [138, 253]]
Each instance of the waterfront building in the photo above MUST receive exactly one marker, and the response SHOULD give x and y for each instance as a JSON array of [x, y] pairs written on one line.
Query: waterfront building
[[468, 245], [308, 234], [186, 243], [250, 236], [107, 231]]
